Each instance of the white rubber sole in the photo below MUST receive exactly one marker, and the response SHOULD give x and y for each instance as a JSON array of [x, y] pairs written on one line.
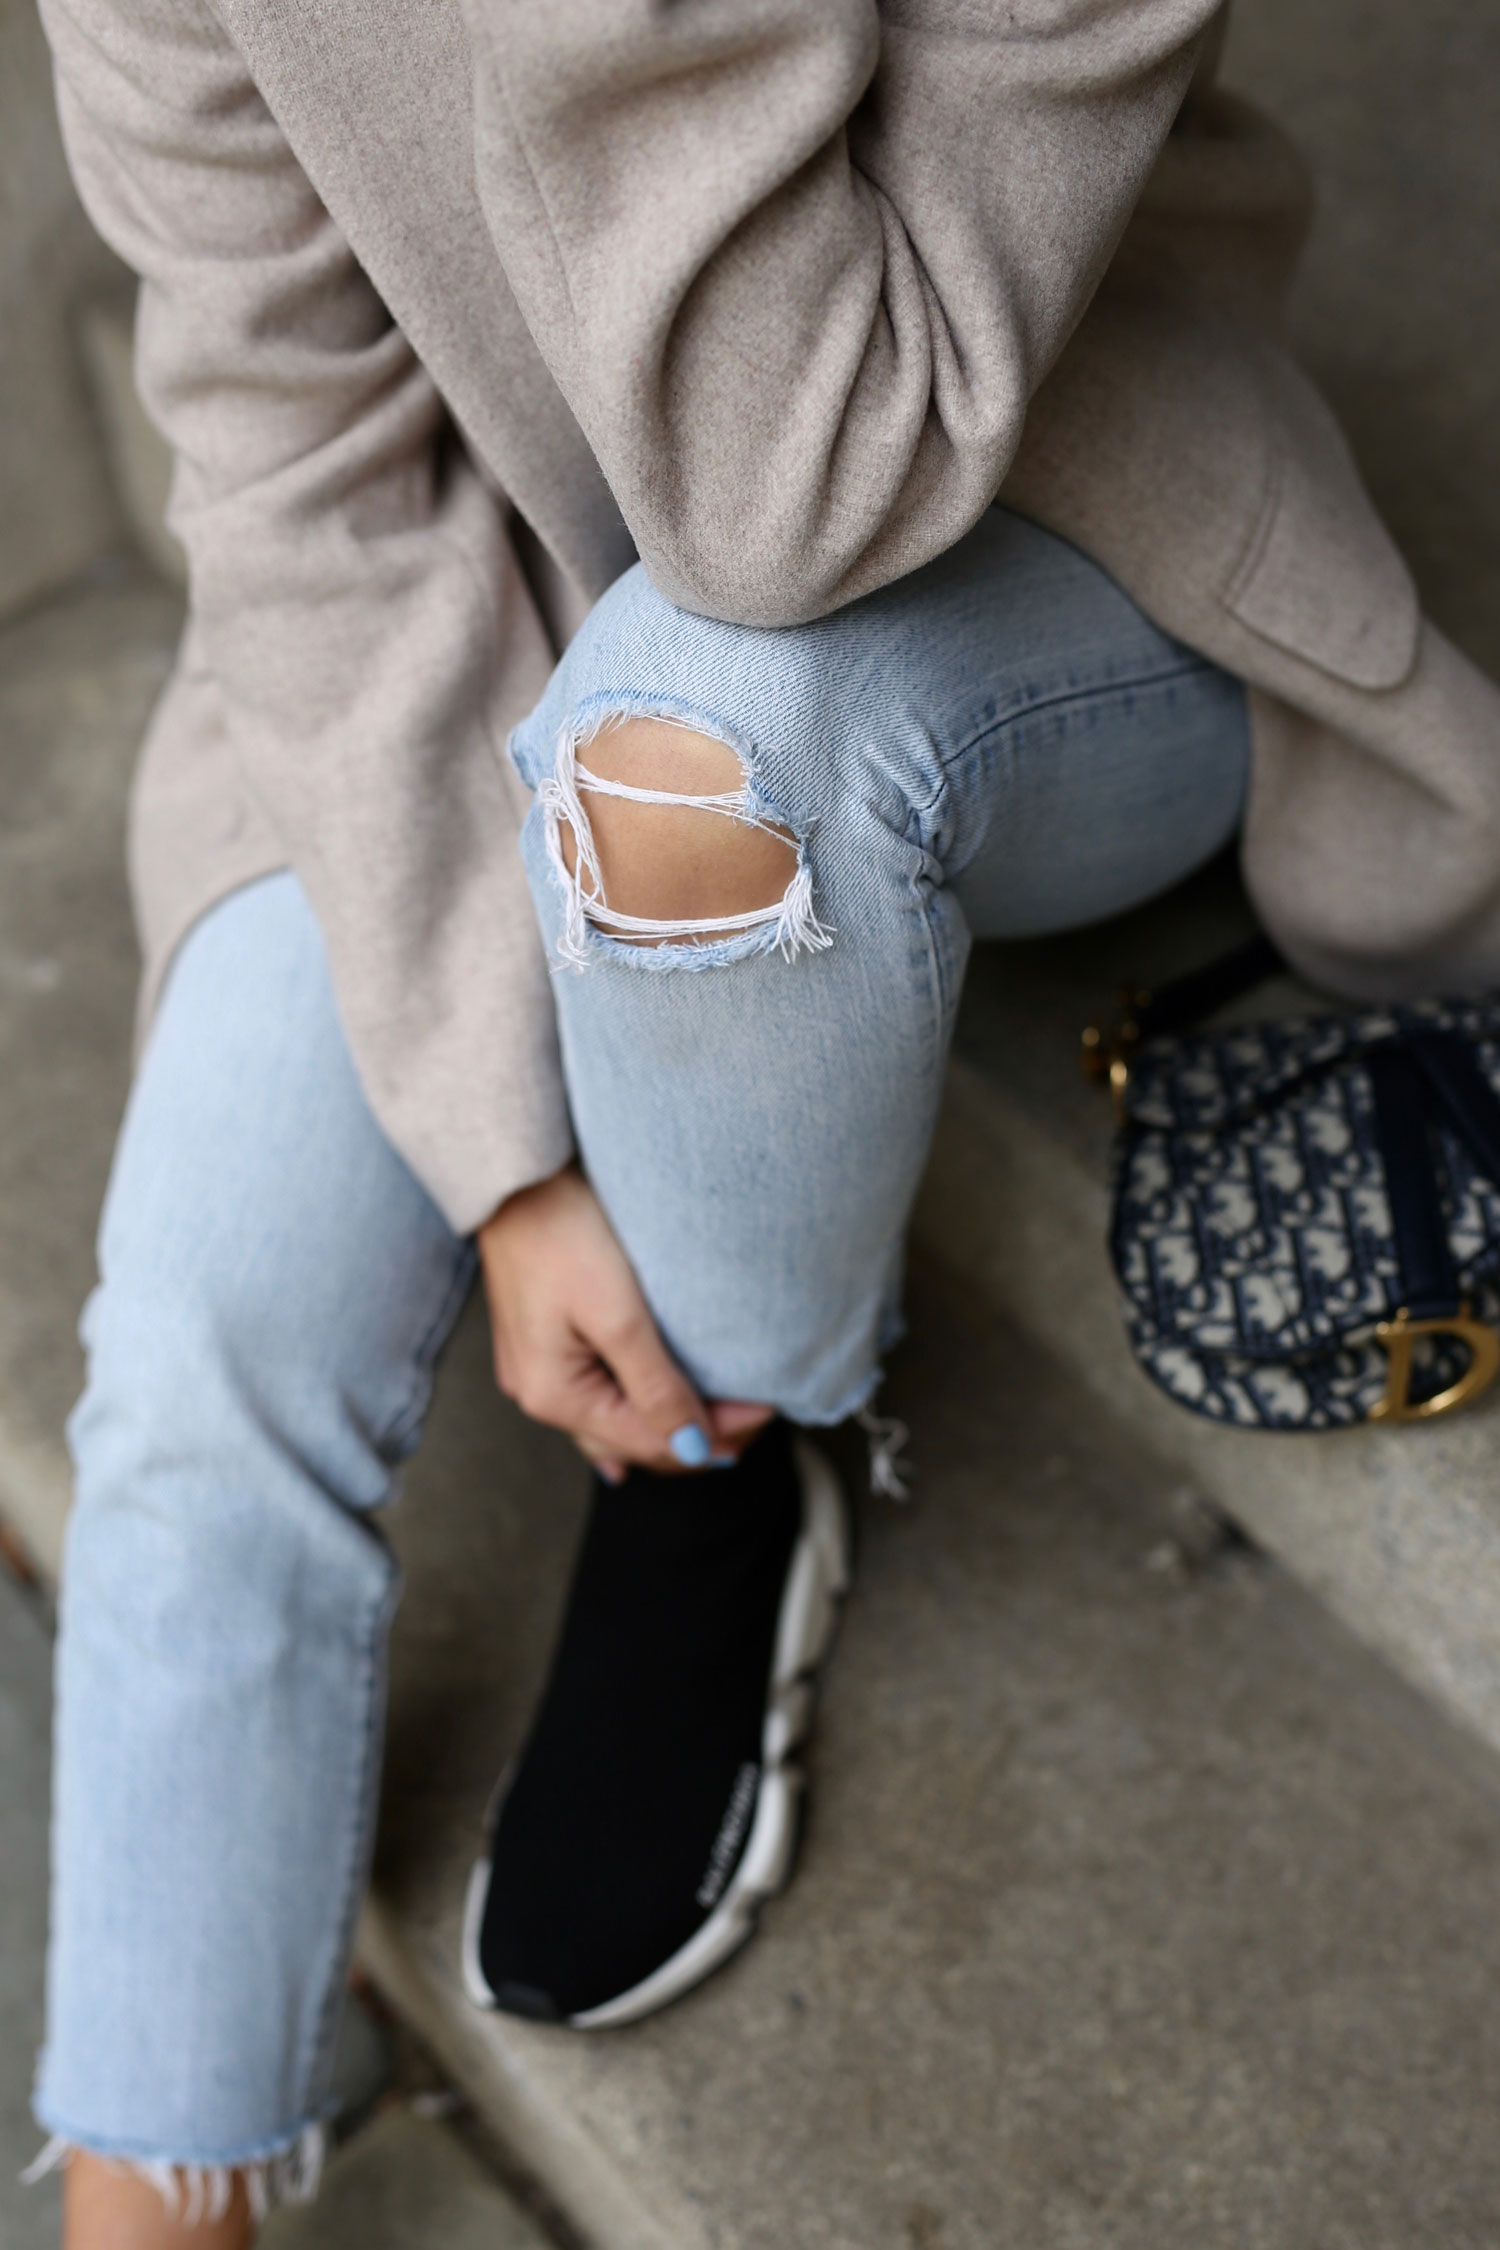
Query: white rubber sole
[[816, 1584]]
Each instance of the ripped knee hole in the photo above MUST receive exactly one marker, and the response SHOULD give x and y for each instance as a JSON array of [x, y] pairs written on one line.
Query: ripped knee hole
[[669, 849]]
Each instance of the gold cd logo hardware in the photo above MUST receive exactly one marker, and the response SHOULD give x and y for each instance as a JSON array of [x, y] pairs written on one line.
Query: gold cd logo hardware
[[1399, 1335]]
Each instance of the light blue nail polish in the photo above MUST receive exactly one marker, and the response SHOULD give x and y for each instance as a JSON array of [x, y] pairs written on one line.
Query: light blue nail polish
[[691, 1446]]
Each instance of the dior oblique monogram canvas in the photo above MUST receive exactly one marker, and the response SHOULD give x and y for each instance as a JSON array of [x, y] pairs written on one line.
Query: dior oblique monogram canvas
[[1252, 1233]]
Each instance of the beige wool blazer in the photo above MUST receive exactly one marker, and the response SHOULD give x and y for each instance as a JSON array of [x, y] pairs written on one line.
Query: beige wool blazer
[[452, 308]]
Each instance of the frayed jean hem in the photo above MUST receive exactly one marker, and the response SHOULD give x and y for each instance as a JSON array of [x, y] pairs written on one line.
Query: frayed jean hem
[[285, 2168]]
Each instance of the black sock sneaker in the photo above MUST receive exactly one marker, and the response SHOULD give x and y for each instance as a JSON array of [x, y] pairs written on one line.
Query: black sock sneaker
[[653, 1806]]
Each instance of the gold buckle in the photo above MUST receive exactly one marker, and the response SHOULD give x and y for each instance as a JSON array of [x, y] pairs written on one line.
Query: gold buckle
[[1398, 1336], [1107, 1059]]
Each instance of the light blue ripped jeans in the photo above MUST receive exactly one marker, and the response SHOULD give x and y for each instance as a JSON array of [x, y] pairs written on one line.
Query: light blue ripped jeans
[[999, 745]]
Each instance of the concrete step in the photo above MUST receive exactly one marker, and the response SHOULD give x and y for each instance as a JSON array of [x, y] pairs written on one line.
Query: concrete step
[[1396, 307], [56, 511], [1398, 1531], [28, 2217], [405, 2183], [77, 682], [1132, 1892]]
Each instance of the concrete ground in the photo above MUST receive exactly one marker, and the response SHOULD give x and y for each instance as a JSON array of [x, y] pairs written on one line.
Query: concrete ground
[[1397, 306], [28, 2216], [78, 678], [1139, 1906]]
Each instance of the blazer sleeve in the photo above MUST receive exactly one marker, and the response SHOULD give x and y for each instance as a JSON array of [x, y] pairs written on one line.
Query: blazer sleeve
[[799, 265], [353, 590]]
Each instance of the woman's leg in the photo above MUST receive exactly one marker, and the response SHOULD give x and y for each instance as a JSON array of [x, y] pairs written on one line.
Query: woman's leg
[[106, 2207], [1000, 741], [751, 854], [274, 1288]]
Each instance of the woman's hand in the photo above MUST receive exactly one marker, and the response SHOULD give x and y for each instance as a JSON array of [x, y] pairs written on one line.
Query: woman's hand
[[575, 1343]]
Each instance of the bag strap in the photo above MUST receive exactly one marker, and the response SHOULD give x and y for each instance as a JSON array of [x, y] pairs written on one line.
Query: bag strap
[[1420, 1070], [1147, 1013], [1468, 1100], [1429, 1281], [1425, 1072], [1197, 993]]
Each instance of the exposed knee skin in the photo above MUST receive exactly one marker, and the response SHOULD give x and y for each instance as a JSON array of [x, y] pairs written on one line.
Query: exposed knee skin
[[673, 863]]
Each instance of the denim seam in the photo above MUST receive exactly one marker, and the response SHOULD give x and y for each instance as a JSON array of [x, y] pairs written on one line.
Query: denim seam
[[392, 1444], [1099, 692], [360, 1831], [917, 835]]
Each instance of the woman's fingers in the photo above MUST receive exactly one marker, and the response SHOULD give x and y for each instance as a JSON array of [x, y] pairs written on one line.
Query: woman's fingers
[[612, 1471], [576, 1345], [653, 1384], [598, 1410], [731, 1424], [736, 1421], [557, 1376]]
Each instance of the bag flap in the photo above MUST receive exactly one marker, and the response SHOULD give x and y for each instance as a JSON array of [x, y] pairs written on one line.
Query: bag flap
[[1250, 1209], [1210, 1081]]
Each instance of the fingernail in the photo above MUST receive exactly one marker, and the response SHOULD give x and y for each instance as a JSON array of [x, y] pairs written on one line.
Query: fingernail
[[690, 1445]]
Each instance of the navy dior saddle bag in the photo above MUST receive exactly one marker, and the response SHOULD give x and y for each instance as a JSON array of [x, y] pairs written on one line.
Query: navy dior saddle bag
[[1306, 1213]]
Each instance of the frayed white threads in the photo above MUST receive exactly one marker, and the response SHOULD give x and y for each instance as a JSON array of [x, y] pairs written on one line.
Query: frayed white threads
[[292, 2176], [195, 2194], [793, 917], [889, 1467], [55, 2154]]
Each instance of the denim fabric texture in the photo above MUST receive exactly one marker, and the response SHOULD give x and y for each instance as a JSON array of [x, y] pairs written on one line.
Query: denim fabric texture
[[999, 745], [275, 1287]]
